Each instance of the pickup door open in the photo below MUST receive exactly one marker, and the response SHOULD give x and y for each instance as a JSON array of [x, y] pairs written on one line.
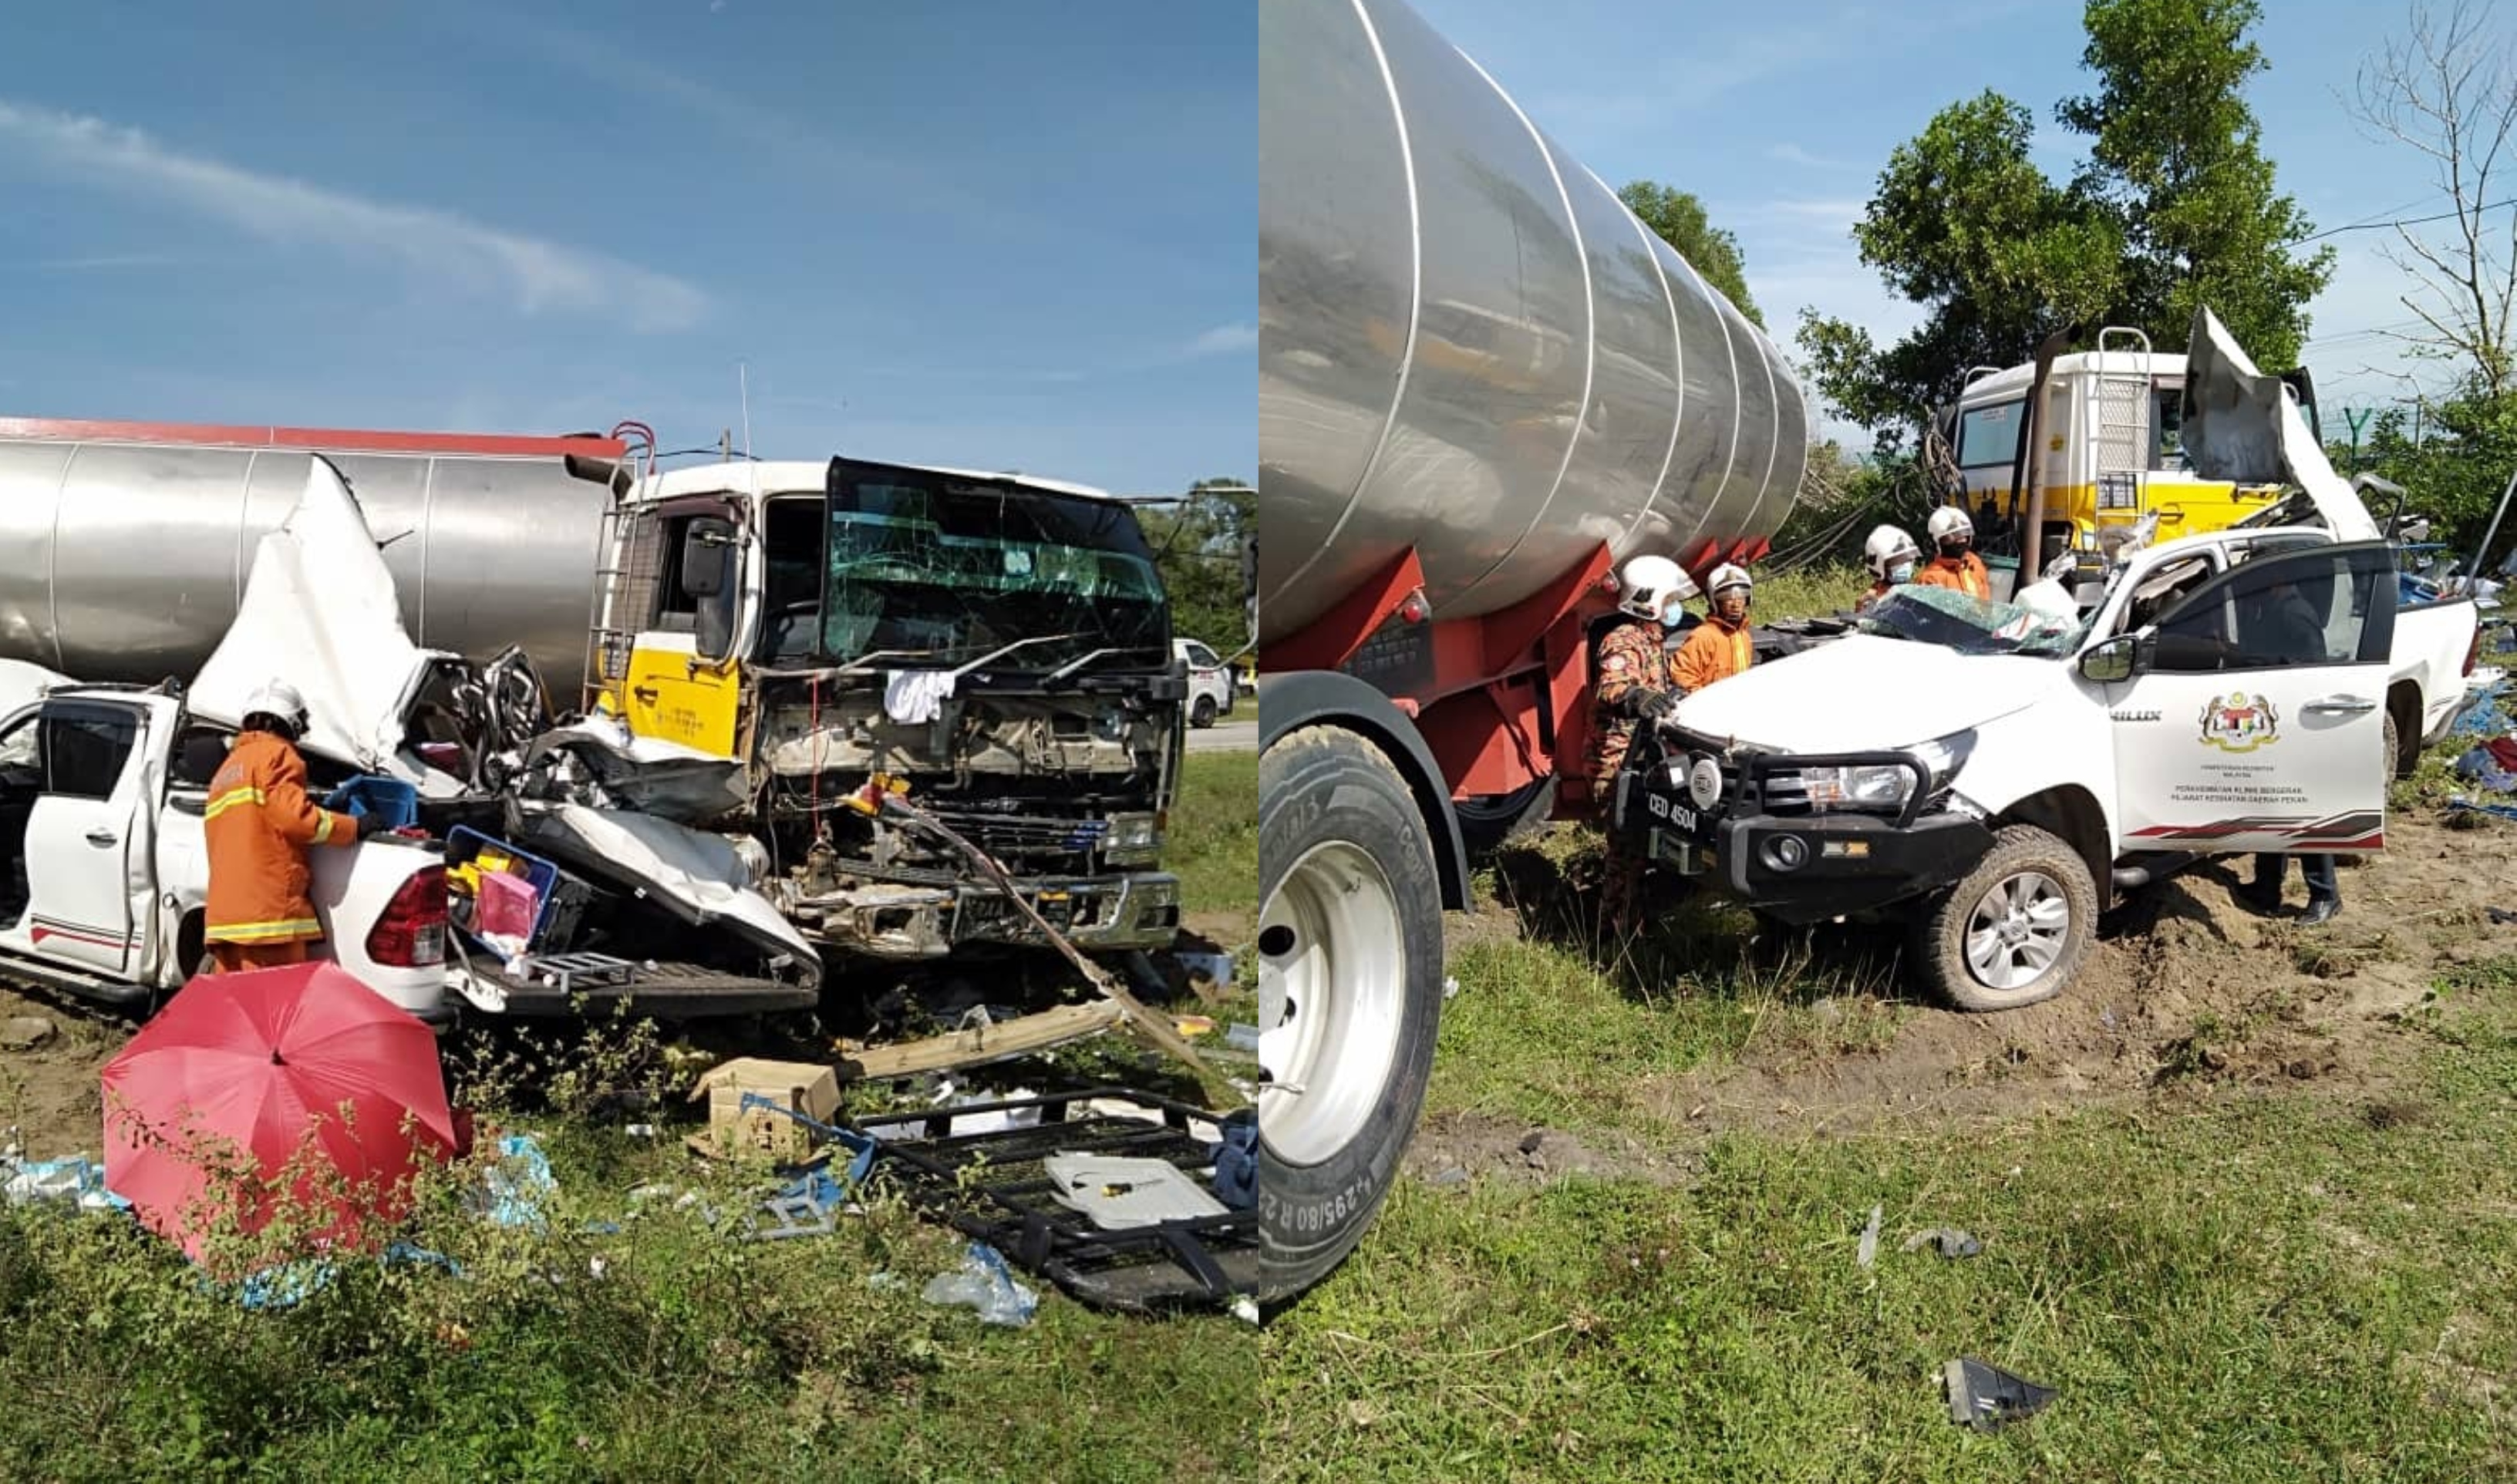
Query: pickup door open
[[2255, 719], [77, 767]]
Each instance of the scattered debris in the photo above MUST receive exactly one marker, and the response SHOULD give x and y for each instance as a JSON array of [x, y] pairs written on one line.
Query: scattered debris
[[996, 1188], [25, 1032], [1122, 1192], [2501, 914], [1868, 1253], [1241, 1037], [1984, 1396], [80, 1182], [984, 1041], [1450, 987], [1953, 1242], [746, 1094], [1236, 1161], [984, 1284], [1457, 1175], [1214, 968]]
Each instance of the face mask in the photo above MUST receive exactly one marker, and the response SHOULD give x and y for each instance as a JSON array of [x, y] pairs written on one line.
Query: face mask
[[1903, 571], [1955, 546]]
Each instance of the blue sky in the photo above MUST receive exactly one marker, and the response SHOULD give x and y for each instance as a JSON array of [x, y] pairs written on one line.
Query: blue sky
[[1781, 114], [1006, 235]]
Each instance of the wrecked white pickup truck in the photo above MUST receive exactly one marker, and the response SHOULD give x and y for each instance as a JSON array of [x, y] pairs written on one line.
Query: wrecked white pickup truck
[[1995, 774], [104, 787]]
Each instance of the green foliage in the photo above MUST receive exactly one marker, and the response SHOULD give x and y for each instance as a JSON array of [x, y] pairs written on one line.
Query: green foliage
[[2467, 448], [1198, 546], [2175, 208], [1679, 219]]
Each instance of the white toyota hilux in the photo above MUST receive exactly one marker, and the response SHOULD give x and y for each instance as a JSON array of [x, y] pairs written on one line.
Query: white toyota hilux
[[1994, 774]]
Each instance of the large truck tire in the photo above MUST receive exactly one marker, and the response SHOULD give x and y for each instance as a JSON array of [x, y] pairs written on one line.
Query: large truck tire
[[1489, 822], [1349, 996], [2015, 930]]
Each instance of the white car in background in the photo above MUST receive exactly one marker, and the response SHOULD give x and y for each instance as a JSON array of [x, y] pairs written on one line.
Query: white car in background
[[1212, 689]]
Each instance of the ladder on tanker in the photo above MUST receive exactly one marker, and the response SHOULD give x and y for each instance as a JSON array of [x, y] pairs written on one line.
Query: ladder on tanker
[[2120, 403], [623, 571]]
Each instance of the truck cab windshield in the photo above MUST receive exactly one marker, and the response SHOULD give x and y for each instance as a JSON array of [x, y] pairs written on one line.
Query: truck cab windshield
[[1969, 625], [929, 567]]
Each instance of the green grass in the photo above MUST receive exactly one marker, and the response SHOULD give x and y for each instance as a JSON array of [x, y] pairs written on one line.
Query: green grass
[[696, 1355], [1214, 838], [2259, 1288], [1811, 592]]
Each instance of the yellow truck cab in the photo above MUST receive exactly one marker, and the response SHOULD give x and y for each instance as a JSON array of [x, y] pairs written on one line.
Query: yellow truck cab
[[998, 644], [2111, 449]]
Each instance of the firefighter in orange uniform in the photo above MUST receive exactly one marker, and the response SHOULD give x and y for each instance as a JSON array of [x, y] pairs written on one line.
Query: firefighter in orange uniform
[[1892, 557], [1956, 567], [258, 826], [1633, 687], [1720, 647]]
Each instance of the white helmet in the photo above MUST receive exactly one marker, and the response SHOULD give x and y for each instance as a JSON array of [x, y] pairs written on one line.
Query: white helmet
[[1650, 585], [1886, 547], [1727, 577], [280, 699], [1950, 521]]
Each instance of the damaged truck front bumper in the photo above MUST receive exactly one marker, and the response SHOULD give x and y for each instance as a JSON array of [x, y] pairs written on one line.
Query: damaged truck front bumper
[[887, 920], [1760, 840]]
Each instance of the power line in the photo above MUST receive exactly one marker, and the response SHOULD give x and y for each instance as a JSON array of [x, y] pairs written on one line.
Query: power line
[[2444, 216]]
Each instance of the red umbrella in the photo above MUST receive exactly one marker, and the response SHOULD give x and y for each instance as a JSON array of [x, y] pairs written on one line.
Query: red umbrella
[[304, 1064]]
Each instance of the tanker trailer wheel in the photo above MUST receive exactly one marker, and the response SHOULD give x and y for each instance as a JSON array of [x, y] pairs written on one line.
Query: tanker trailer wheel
[[1349, 991], [2015, 930]]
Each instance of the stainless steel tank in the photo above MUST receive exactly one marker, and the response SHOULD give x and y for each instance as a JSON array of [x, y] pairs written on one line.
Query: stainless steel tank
[[1468, 345], [125, 559]]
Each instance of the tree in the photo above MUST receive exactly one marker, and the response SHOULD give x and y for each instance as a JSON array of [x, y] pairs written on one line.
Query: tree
[[1964, 221], [1197, 546], [2175, 208], [1679, 219], [2449, 91]]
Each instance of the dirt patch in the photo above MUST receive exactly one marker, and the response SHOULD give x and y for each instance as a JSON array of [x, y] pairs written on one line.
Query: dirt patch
[[1454, 1149], [2184, 988], [49, 1092]]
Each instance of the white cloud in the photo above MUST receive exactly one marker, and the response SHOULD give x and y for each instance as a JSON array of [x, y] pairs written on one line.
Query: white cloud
[[538, 275], [1223, 340], [1794, 155]]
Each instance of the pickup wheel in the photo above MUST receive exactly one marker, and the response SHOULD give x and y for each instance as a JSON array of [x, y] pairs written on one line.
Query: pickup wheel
[[1349, 995], [2397, 765], [1202, 715], [2015, 930]]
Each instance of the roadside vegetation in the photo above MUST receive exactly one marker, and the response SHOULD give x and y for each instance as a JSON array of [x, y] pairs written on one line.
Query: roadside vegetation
[[634, 1334]]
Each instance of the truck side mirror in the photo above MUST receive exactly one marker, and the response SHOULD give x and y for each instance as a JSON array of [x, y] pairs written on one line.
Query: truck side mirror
[[708, 557], [2113, 661]]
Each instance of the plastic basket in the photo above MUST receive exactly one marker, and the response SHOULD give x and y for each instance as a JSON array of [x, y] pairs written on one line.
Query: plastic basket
[[463, 843], [391, 799]]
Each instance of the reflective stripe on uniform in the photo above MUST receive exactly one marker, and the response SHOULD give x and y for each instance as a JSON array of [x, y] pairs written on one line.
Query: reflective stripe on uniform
[[230, 799], [323, 828], [263, 932]]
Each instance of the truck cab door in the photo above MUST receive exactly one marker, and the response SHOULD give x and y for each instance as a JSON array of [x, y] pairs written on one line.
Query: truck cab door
[[2253, 718], [87, 855], [684, 682]]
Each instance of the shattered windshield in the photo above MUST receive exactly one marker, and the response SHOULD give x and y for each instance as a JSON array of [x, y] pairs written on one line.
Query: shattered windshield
[[935, 567], [1969, 625]]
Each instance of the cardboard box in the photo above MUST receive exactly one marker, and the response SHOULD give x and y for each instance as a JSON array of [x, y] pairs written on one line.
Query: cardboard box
[[809, 1089]]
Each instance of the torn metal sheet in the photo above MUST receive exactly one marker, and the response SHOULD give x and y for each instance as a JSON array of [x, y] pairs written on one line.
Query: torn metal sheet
[[646, 774], [2243, 425], [321, 613], [702, 876], [22, 684]]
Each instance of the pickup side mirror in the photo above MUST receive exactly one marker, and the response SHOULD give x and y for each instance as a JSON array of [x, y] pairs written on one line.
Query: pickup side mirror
[[2113, 662], [708, 557]]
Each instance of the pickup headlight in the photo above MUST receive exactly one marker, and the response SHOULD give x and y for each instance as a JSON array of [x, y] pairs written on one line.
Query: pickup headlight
[[1133, 838], [1885, 788]]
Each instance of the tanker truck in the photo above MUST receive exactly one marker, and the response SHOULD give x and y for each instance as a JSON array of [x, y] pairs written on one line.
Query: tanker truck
[[1002, 645], [1483, 384]]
